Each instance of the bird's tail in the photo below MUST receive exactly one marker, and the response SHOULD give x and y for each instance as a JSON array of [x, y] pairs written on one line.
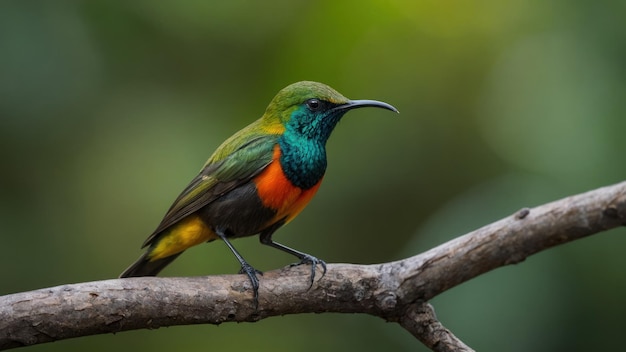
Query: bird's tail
[[146, 267]]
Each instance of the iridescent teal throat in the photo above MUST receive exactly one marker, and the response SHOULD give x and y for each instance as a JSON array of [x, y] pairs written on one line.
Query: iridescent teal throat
[[303, 146]]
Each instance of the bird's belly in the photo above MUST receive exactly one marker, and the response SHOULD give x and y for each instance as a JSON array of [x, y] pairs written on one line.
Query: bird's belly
[[254, 206], [238, 213]]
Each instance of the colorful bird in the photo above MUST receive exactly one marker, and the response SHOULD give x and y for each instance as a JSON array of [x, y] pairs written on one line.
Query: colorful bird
[[256, 181]]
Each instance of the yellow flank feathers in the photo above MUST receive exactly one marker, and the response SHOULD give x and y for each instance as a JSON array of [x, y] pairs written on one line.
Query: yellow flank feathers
[[190, 231]]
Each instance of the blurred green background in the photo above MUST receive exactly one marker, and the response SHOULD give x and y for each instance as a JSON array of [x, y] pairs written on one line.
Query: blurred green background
[[109, 108]]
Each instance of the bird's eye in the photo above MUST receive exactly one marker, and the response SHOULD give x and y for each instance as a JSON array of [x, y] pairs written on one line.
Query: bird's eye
[[313, 104]]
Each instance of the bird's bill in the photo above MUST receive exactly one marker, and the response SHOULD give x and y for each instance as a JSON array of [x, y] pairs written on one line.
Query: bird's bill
[[354, 104]]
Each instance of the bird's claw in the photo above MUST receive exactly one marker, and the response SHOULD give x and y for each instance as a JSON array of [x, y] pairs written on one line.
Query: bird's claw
[[245, 269], [254, 281], [314, 262]]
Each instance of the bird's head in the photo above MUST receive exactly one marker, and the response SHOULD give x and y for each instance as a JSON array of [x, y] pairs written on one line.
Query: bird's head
[[311, 110]]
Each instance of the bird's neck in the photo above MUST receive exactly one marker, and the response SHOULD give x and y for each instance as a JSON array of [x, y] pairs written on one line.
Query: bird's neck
[[303, 160], [303, 146]]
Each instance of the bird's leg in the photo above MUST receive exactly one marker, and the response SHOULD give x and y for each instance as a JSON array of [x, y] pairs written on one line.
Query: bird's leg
[[266, 239], [245, 267]]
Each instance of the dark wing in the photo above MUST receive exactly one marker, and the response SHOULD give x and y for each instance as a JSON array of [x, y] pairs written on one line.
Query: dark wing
[[218, 178]]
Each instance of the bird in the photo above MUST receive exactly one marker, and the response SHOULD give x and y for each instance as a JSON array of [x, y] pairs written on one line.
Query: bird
[[255, 182]]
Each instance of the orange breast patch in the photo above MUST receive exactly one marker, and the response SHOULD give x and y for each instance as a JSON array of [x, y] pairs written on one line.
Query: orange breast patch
[[277, 192]]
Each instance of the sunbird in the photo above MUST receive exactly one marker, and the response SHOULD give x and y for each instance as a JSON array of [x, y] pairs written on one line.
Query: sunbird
[[258, 180]]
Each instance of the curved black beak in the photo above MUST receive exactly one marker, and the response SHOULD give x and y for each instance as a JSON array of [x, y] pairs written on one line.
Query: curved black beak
[[354, 104]]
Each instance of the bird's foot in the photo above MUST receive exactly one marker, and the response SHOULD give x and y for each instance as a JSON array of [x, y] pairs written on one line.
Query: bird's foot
[[247, 268], [314, 262], [254, 281]]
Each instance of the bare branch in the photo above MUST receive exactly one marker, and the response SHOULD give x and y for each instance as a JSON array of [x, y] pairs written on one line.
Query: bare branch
[[420, 320], [394, 291]]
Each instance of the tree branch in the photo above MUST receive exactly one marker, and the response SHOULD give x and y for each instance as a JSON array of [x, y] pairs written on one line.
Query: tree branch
[[395, 291], [420, 320]]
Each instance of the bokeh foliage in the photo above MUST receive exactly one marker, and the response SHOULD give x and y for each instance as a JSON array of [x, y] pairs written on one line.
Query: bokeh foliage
[[108, 108]]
